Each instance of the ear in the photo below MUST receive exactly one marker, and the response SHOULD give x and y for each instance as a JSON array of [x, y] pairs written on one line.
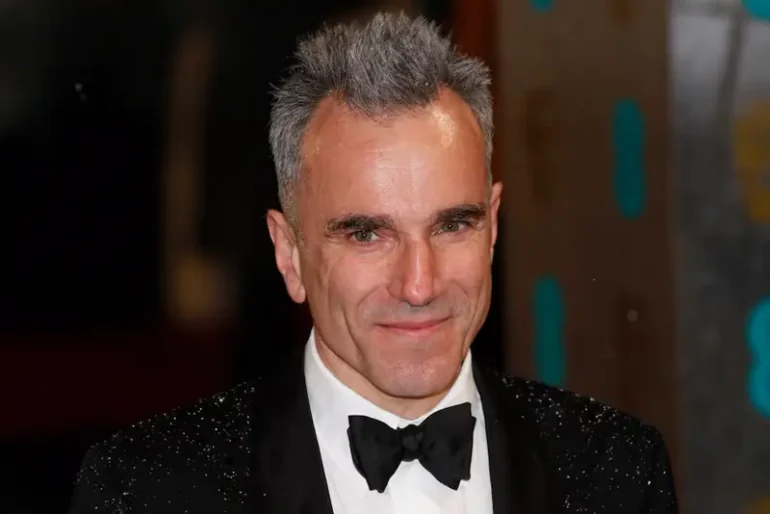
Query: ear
[[494, 210], [286, 254]]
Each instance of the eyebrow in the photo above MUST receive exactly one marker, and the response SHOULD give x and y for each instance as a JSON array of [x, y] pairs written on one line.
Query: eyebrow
[[367, 222], [358, 222], [465, 212]]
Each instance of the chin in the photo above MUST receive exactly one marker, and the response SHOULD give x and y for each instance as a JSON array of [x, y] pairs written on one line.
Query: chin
[[420, 378]]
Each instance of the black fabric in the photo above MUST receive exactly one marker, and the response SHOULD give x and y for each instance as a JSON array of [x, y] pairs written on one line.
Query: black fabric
[[443, 444], [254, 450]]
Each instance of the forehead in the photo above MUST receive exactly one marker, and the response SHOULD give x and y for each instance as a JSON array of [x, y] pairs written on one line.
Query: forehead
[[404, 164]]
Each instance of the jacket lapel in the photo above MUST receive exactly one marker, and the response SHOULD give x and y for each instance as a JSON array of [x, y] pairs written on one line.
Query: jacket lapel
[[520, 481], [288, 475], [288, 472]]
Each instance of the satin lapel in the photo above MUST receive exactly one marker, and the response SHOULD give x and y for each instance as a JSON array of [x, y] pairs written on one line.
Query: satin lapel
[[288, 472], [520, 483]]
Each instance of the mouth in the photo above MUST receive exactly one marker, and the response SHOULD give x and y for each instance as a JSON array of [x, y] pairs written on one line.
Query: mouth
[[414, 327]]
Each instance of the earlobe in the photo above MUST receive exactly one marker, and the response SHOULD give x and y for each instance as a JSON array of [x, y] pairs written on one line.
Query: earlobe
[[296, 287], [286, 254]]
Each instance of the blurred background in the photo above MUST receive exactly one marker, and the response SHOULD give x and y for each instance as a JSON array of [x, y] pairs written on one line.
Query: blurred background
[[633, 138]]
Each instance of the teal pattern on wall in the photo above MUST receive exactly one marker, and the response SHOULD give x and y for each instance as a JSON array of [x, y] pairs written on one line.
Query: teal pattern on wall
[[549, 321], [629, 181], [759, 9], [758, 340], [542, 5]]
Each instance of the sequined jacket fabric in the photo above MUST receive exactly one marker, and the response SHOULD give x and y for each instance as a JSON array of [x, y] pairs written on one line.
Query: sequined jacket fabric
[[253, 450]]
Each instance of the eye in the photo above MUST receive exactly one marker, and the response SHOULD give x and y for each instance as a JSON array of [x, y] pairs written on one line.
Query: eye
[[452, 226], [363, 236]]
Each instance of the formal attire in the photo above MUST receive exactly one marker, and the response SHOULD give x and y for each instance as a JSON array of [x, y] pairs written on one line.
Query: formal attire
[[412, 488], [291, 443]]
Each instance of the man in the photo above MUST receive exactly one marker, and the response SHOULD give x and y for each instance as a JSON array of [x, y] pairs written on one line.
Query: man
[[382, 142]]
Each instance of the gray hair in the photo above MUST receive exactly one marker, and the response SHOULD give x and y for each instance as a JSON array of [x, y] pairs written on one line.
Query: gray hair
[[391, 63]]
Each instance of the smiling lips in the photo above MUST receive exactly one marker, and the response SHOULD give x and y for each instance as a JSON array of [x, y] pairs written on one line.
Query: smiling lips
[[414, 327]]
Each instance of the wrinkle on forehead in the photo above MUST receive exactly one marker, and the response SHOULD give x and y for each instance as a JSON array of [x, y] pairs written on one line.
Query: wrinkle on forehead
[[342, 141]]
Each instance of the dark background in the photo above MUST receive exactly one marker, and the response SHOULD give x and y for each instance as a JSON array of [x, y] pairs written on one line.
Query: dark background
[[85, 344]]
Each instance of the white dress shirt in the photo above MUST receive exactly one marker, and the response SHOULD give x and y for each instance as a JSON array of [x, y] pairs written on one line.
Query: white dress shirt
[[412, 489]]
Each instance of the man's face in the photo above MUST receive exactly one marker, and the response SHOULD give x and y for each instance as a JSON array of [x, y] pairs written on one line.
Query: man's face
[[398, 225]]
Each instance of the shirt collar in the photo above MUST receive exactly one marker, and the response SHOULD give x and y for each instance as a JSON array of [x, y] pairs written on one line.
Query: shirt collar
[[331, 402]]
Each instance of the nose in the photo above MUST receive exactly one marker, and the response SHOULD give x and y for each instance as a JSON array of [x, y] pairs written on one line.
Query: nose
[[415, 280]]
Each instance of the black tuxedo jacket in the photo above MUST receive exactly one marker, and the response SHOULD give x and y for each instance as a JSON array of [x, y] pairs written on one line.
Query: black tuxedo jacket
[[254, 450]]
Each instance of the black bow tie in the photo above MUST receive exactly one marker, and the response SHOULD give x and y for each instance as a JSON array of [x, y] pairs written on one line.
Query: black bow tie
[[443, 444]]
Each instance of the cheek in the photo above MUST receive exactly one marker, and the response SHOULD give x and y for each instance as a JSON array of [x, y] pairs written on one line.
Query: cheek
[[468, 267], [351, 280]]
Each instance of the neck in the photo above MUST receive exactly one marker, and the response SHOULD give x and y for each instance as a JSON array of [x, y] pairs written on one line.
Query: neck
[[406, 408]]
